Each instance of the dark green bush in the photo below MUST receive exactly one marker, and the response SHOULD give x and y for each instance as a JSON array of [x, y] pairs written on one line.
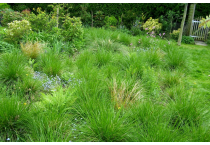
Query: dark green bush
[[9, 16], [128, 19], [99, 19], [187, 40]]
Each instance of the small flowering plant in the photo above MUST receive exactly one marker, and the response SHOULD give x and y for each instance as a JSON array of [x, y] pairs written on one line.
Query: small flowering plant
[[16, 30]]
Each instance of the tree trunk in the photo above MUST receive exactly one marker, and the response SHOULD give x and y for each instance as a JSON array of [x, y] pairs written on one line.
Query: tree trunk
[[190, 18], [182, 25]]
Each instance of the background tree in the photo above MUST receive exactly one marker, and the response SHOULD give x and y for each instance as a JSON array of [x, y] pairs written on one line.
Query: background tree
[[182, 25]]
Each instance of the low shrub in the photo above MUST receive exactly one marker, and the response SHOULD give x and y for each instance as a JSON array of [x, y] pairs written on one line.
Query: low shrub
[[32, 50], [99, 19], [152, 25], [188, 40], [72, 29], [6, 47], [16, 30], [128, 19], [110, 21], [9, 16], [136, 31], [175, 34]]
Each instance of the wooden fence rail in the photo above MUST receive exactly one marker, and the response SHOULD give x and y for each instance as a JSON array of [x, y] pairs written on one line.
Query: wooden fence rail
[[199, 33]]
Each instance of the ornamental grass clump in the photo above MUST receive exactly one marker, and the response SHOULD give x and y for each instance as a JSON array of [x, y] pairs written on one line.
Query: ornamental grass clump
[[122, 96], [32, 50]]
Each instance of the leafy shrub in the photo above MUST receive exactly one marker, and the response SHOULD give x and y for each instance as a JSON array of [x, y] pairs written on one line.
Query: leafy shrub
[[128, 19], [4, 6], [4, 46], [208, 41], [16, 30], [168, 21], [175, 34], [31, 50], [136, 31], [152, 24], [21, 7], [41, 21], [26, 12], [110, 21], [85, 16], [9, 16], [99, 19], [188, 40], [72, 28]]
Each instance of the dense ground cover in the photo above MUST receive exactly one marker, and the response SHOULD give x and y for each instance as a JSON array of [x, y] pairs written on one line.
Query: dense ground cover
[[114, 87]]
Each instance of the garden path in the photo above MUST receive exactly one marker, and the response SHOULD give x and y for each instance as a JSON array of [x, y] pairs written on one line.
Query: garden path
[[200, 43]]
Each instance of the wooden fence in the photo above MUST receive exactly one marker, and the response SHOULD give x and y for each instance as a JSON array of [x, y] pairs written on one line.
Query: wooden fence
[[198, 33]]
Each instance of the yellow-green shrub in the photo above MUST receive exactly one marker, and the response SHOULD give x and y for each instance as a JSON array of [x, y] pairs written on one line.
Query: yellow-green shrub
[[16, 30], [32, 50], [152, 25], [175, 34]]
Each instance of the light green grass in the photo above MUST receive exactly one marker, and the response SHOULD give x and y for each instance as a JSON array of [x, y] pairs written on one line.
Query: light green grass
[[120, 88]]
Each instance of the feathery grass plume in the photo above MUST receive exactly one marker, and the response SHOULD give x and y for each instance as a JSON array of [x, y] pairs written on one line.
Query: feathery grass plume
[[32, 50], [122, 96]]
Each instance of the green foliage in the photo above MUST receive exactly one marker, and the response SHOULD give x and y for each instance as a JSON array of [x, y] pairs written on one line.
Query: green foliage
[[152, 24], [9, 16], [13, 117], [168, 21], [4, 6], [50, 63], [21, 7], [136, 31], [85, 16], [12, 66], [41, 21], [99, 19], [175, 58], [110, 21], [129, 18], [205, 22], [188, 40], [60, 101], [72, 29], [175, 34], [16, 30], [6, 47], [62, 14]]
